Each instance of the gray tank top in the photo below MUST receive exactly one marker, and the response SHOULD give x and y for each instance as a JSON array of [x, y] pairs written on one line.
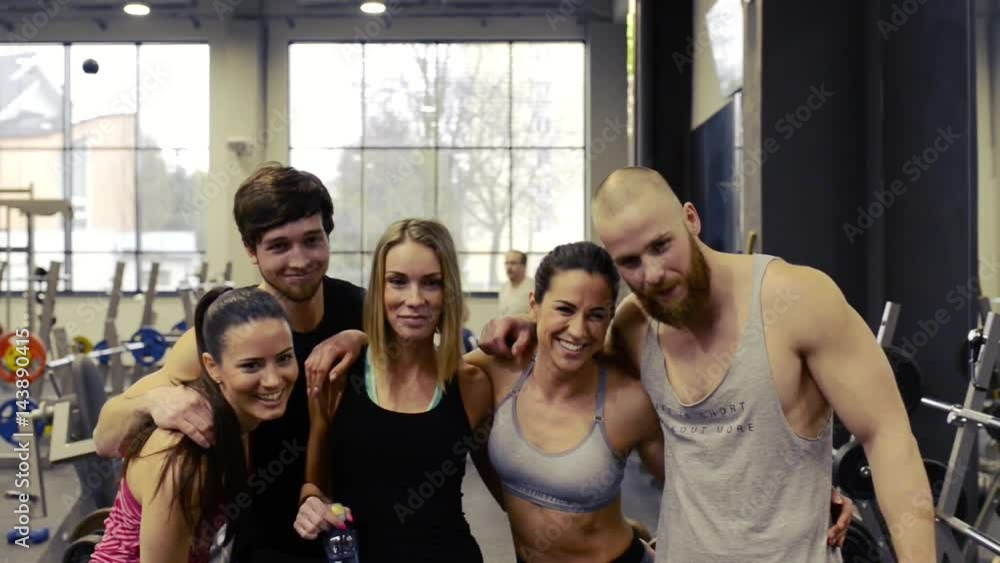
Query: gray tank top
[[741, 486]]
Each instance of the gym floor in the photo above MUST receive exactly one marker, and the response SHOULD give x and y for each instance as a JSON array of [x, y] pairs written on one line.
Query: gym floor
[[488, 522]]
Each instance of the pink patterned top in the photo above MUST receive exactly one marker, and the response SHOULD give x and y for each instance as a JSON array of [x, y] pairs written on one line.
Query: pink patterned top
[[120, 543]]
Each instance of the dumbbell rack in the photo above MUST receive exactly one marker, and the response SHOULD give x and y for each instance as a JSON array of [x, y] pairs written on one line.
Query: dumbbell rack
[[62, 448], [44, 332], [969, 418], [32, 442], [984, 355], [36, 487]]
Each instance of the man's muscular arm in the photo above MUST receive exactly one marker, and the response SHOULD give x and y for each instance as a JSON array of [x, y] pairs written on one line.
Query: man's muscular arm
[[162, 395], [476, 387], [852, 372], [650, 446], [508, 337]]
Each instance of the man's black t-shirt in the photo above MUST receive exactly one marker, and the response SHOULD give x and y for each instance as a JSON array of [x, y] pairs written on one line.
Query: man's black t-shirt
[[278, 447]]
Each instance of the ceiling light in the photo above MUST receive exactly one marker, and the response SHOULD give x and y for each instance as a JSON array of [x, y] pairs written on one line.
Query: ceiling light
[[373, 8], [136, 9]]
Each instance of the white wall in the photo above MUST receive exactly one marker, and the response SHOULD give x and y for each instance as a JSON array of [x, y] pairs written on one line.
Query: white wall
[[607, 139], [249, 100], [707, 91], [85, 315], [750, 198], [707, 98], [987, 102]]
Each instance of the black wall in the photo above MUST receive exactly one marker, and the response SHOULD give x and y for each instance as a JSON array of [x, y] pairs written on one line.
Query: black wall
[[812, 131], [931, 246], [843, 193], [664, 58]]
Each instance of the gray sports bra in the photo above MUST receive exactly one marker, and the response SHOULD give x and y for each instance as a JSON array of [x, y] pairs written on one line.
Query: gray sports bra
[[583, 479]]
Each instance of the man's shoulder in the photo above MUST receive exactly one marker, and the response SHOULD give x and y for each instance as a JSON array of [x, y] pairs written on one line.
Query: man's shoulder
[[804, 302], [630, 312], [788, 284], [626, 391], [338, 290], [628, 334]]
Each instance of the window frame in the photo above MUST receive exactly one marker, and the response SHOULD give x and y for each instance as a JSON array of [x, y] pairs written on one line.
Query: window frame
[[435, 149], [229, 36], [137, 256]]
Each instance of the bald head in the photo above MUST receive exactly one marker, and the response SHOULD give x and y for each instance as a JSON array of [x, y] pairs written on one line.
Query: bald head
[[630, 186]]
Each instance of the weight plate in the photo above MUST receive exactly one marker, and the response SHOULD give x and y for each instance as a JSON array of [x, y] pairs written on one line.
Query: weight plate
[[851, 472], [92, 523], [80, 550], [860, 546], [82, 344], [154, 346], [936, 472], [27, 353], [8, 420]]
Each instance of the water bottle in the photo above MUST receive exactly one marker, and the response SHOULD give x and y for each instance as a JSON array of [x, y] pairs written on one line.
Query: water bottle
[[341, 546]]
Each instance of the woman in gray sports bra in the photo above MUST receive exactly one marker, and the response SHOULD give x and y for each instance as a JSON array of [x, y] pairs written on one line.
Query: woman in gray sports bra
[[565, 423]]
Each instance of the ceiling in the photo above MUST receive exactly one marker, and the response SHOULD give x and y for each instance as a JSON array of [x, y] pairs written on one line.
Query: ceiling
[[599, 9]]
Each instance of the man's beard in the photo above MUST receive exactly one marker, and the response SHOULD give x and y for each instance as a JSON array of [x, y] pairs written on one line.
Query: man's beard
[[693, 308], [295, 294]]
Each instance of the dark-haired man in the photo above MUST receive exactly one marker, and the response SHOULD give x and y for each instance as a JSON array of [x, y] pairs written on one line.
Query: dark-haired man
[[285, 217]]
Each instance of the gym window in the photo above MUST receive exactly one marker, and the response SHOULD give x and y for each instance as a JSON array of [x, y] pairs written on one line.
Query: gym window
[[486, 137], [128, 146]]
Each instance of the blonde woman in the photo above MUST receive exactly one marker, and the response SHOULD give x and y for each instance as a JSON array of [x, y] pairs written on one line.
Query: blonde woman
[[390, 440]]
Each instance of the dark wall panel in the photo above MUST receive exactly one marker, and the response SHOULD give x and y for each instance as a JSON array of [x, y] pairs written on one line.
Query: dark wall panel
[[876, 186], [663, 90], [812, 125], [929, 149], [713, 148]]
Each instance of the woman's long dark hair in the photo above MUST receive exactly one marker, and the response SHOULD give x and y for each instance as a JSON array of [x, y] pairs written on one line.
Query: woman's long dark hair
[[208, 478]]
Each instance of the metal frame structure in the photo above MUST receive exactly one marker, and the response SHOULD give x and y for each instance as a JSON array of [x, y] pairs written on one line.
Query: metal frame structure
[[969, 418], [30, 208]]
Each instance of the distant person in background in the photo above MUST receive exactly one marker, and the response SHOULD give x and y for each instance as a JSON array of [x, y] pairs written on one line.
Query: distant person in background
[[514, 295], [469, 340]]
